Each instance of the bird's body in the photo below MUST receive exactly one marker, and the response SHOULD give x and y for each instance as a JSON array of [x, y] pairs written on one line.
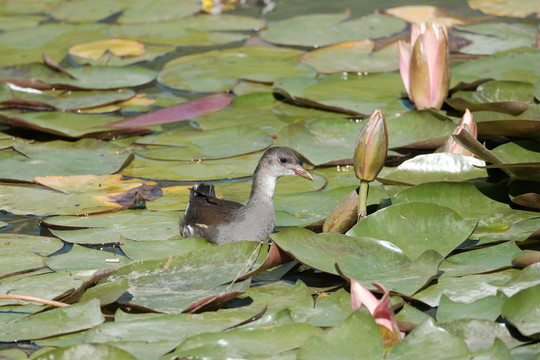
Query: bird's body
[[222, 221]]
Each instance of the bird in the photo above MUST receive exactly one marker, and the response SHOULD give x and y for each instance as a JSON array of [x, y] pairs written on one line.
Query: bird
[[223, 221]]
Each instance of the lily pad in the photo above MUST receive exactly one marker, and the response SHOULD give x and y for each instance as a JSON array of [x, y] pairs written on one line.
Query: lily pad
[[525, 125], [509, 65], [349, 94], [358, 334], [87, 352], [220, 70], [506, 8], [135, 225], [365, 259], [58, 321], [201, 30], [488, 308], [238, 343], [489, 38], [27, 45], [353, 56], [318, 30], [13, 244], [80, 258], [156, 250], [416, 227], [68, 125], [40, 76], [191, 276], [434, 167], [429, 341], [481, 260], [192, 145], [87, 156], [522, 310]]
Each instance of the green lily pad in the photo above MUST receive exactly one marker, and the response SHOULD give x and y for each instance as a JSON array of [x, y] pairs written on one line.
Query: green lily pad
[[434, 167], [465, 289], [239, 342], [418, 129], [9, 23], [87, 352], [155, 250], [365, 259], [135, 225], [354, 57], [416, 227], [480, 334], [219, 70], [107, 293], [20, 262], [193, 171], [481, 260], [58, 321], [200, 30], [429, 341], [155, 11], [323, 140], [358, 334], [13, 244], [489, 38], [45, 285], [203, 145], [350, 94], [87, 156], [68, 125], [488, 308], [27, 45], [506, 8], [60, 100], [191, 276], [152, 53], [473, 201], [525, 125], [39, 75], [80, 258], [318, 30], [330, 310], [509, 65]]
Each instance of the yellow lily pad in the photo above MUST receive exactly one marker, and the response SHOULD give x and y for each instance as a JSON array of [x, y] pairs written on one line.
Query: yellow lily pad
[[515, 8], [119, 47], [424, 13]]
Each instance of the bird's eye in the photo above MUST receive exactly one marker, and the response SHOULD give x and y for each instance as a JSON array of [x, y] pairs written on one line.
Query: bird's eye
[[283, 160]]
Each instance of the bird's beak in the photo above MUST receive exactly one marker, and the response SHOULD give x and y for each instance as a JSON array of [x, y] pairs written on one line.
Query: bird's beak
[[300, 171]]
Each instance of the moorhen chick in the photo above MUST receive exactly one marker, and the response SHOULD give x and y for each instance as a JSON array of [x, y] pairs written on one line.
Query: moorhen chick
[[222, 221]]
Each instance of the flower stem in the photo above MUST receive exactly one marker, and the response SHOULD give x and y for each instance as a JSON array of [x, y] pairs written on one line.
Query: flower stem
[[362, 200]]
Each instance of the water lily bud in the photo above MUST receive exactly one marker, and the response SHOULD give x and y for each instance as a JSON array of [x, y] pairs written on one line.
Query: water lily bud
[[467, 123], [425, 68], [344, 215], [371, 147]]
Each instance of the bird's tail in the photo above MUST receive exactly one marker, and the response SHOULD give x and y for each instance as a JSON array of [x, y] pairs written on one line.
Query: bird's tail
[[202, 190]]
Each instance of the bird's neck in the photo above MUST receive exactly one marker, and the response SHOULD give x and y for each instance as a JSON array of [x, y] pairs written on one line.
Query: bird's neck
[[263, 188]]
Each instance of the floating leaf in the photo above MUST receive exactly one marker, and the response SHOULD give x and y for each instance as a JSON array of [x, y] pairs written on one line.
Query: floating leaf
[[416, 227], [156, 250], [80, 258], [513, 8], [318, 30], [353, 56], [522, 310], [204, 145], [87, 156], [40, 76], [191, 276], [525, 125], [366, 259], [489, 38], [118, 47], [185, 111], [424, 13], [111, 228], [220, 70], [434, 167], [87, 352], [488, 308], [351, 94]]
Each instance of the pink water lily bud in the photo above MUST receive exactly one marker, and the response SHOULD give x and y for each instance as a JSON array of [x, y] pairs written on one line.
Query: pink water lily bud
[[379, 309], [424, 65], [467, 123], [371, 147]]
